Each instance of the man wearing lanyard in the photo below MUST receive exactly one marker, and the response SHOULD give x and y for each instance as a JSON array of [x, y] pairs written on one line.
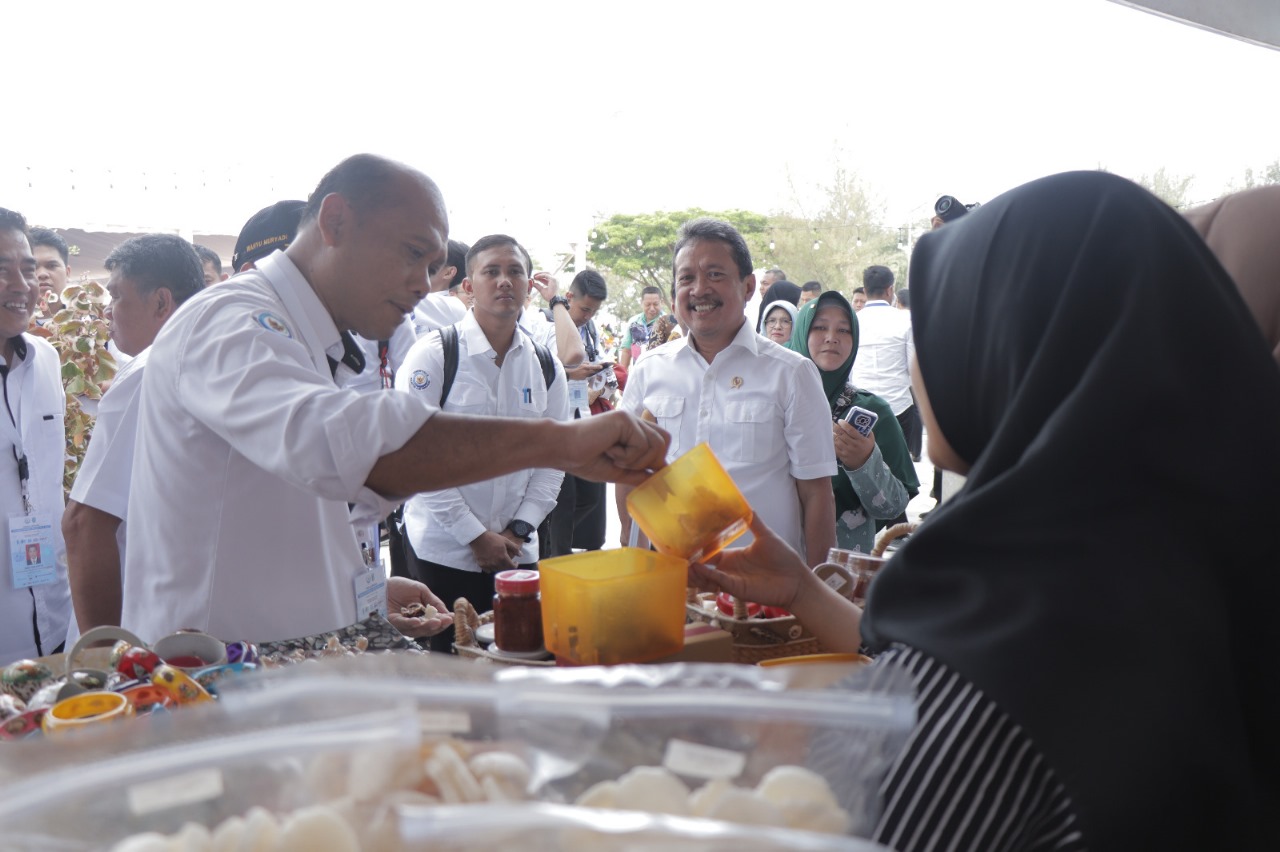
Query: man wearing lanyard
[[240, 507], [35, 600]]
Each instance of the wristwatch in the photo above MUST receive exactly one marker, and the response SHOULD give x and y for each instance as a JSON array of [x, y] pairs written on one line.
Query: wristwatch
[[559, 300], [522, 529]]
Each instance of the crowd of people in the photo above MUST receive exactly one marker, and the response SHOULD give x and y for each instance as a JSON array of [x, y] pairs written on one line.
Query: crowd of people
[[1092, 664]]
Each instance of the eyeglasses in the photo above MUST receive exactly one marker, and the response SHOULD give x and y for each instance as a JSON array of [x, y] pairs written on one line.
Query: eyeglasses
[[777, 322]]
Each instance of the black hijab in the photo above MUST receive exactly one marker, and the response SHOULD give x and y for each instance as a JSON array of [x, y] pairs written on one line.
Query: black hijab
[[1109, 572], [781, 291]]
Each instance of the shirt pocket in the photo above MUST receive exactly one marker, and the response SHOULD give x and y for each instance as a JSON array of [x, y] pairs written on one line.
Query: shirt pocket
[[669, 411], [533, 401], [752, 431], [466, 398]]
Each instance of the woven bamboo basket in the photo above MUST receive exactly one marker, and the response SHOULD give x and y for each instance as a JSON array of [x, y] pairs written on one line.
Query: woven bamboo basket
[[465, 644], [755, 639]]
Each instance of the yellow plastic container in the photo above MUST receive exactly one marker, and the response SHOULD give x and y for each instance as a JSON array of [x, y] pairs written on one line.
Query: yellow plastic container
[[690, 509], [613, 606]]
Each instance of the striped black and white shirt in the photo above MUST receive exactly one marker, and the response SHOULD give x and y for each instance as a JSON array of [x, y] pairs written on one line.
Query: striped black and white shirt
[[969, 778]]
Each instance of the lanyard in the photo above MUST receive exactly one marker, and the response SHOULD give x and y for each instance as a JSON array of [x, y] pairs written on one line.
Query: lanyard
[[10, 430], [384, 365]]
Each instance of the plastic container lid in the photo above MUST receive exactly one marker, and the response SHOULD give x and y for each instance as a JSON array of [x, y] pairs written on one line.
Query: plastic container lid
[[518, 582]]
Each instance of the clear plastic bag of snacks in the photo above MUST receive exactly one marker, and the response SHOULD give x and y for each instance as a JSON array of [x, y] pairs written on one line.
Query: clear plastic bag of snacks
[[726, 742]]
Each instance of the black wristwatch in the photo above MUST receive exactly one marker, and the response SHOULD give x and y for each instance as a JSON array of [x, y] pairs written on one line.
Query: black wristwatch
[[522, 529], [559, 300]]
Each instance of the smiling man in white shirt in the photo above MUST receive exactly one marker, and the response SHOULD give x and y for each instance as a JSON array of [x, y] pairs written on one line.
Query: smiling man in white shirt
[[760, 406], [463, 536], [35, 600], [885, 348]]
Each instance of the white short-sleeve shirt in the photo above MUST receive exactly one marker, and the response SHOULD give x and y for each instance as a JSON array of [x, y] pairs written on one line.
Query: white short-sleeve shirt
[[541, 329], [436, 310], [442, 524], [238, 511], [761, 408], [103, 479], [885, 347]]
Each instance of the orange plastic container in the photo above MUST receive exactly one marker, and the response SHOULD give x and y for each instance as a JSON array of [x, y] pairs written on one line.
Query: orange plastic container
[[613, 606], [690, 509]]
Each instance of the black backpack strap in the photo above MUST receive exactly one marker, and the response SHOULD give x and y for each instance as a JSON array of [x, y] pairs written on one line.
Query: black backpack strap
[[548, 362], [449, 343], [545, 358]]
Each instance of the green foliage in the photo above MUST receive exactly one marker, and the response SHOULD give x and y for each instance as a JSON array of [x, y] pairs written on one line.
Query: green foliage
[[1169, 187], [1268, 175], [79, 331]]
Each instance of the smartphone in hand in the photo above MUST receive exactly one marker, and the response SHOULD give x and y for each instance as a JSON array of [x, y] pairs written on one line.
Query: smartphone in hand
[[861, 419]]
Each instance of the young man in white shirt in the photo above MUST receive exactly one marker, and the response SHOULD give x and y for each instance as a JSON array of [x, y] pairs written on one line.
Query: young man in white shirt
[[35, 600], [151, 276], [760, 406], [885, 348], [463, 536]]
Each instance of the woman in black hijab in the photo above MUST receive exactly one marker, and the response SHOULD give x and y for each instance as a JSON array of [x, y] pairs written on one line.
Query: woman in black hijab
[[781, 291], [1076, 333]]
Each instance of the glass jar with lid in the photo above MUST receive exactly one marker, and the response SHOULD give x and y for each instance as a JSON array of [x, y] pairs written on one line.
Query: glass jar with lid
[[517, 612]]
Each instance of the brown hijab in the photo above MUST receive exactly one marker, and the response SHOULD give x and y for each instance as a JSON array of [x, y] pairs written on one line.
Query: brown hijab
[[1243, 229]]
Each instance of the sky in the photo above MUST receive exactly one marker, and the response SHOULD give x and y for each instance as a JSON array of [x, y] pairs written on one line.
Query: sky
[[538, 119]]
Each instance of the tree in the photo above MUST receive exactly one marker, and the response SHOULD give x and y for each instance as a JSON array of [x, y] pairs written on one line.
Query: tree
[[1270, 174], [1169, 187], [635, 250], [837, 242]]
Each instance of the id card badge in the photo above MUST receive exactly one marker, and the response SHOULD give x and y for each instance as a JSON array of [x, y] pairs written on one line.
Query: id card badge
[[578, 397], [371, 593], [32, 557]]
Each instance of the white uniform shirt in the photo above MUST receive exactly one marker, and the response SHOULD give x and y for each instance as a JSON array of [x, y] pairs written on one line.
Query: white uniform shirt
[[761, 408], [369, 380], [436, 310], [885, 347], [541, 329], [442, 524], [398, 346], [103, 479], [238, 518], [33, 389]]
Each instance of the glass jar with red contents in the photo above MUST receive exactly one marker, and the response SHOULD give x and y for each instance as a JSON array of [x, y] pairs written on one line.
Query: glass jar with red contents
[[517, 612]]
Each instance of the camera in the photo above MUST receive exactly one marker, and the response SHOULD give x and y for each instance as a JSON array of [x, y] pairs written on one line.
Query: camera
[[948, 208]]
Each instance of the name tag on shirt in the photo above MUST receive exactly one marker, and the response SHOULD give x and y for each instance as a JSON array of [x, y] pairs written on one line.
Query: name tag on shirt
[[32, 558], [578, 397], [371, 594]]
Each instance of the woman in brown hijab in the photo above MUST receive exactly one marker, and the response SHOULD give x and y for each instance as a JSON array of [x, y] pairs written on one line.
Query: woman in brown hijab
[[1243, 229]]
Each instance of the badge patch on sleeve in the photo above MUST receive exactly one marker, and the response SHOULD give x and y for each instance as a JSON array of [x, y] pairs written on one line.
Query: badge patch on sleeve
[[419, 380], [273, 322]]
